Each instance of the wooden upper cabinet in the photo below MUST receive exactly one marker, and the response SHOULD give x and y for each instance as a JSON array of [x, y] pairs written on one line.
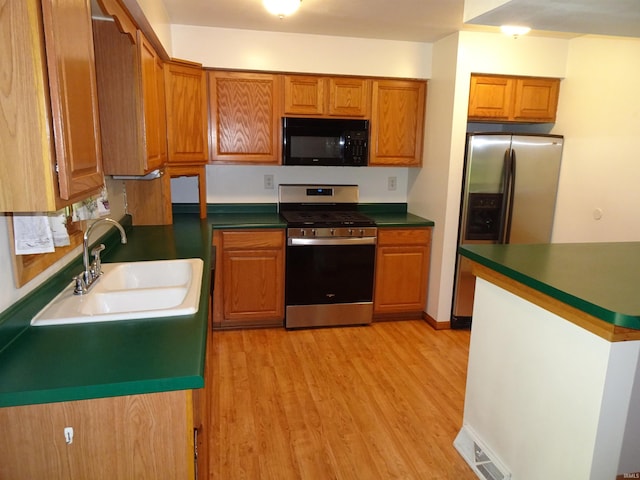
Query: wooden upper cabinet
[[326, 96], [304, 95], [536, 99], [245, 117], [490, 97], [397, 122], [48, 106], [349, 97], [132, 101], [187, 118], [498, 98], [153, 101]]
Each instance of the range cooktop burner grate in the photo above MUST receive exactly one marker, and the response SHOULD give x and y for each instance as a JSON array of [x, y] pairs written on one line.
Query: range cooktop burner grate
[[327, 218]]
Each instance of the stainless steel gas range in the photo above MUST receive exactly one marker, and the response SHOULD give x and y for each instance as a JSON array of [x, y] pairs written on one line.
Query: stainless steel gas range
[[330, 256]]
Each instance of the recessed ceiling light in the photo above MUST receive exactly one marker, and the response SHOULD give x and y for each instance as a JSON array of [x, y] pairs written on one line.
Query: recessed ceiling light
[[281, 8], [514, 30]]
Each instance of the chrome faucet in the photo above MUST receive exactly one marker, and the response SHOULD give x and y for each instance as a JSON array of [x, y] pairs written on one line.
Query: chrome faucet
[[93, 270]]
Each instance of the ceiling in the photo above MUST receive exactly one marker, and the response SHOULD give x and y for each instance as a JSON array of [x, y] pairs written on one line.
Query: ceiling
[[413, 20]]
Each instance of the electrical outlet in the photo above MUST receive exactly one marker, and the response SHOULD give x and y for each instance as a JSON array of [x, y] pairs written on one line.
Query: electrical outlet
[[392, 183], [268, 182]]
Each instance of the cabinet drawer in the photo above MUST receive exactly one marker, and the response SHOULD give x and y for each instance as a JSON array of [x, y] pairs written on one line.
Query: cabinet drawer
[[253, 239], [404, 236]]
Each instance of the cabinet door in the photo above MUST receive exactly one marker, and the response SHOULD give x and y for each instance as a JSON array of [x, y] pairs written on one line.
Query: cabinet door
[[490, 97], [251, 290], [349, 97], [74, 98], [536, 99], [132, 103], [397, 122], [187, 120], [153, 98], [245, 118], [304, 95], [137, 436], [249, 284], [402, 271]]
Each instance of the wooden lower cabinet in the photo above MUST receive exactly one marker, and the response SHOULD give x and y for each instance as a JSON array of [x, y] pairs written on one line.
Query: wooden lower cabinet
[[402, 272], [146, 436], [249, 278]]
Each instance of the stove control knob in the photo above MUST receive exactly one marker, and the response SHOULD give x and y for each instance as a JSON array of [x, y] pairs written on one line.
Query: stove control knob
[[313, 232], [333, 231], [362, 232], [303, 232], [351, 232]]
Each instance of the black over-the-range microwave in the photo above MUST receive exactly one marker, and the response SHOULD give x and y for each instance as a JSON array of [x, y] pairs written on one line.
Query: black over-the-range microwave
[[325, 141]]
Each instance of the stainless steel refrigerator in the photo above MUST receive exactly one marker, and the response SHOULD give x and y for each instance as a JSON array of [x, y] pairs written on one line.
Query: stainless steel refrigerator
[[508, 196]]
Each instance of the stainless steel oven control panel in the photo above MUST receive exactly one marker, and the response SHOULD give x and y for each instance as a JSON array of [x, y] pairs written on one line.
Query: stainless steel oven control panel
[[331, 232]]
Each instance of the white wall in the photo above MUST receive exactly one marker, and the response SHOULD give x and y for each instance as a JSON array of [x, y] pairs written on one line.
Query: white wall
[[283, 52], [242, 184], [599, 115], [290, 52], [158, 18], [431, 192]]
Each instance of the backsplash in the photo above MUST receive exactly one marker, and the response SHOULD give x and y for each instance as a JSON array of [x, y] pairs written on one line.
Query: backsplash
[[246, 184]]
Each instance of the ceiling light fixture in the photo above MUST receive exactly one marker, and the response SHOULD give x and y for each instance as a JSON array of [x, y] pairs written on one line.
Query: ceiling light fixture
[[281, 8], [514, 30]]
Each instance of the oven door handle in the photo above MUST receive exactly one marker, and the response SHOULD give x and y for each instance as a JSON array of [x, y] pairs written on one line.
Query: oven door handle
[[304, 242]]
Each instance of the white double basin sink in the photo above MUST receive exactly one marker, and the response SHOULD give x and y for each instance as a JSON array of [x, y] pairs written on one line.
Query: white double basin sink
[[130, 291]]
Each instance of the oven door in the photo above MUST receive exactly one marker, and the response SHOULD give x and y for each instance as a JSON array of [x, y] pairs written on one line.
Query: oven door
[[329, 281]]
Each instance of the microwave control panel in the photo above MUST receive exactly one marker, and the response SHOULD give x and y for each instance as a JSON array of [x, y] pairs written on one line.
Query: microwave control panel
[[356, 147]]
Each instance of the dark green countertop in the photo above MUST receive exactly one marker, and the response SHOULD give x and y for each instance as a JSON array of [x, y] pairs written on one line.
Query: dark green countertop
[[399, 220], [94, 360], [393, 215], [600, 279], [229, 216], [74, 362]]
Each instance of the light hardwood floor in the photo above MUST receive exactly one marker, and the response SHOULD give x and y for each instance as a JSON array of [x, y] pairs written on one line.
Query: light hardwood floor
[[377, 402]]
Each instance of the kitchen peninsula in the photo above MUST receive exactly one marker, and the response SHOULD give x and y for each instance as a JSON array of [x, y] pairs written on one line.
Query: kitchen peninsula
[[553, 385]]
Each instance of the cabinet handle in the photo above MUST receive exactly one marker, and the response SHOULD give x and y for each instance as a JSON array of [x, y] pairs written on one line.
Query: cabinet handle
[[195, 453]]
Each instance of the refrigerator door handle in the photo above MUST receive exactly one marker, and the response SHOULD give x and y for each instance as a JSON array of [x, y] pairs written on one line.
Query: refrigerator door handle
[[511, 195], [506, 175]]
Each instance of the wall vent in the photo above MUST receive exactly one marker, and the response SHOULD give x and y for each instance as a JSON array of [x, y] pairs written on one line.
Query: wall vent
[[487, 468], [481, 460]]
